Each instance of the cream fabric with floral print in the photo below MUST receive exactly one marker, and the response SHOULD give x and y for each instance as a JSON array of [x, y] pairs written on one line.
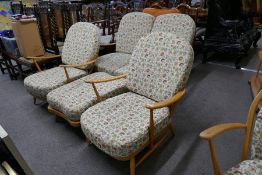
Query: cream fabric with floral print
[[74, 98], [248, 167], [111, 62], [132, 27], [119, 125], [179, 24], [159, 66], [40, 84], [81, 43]]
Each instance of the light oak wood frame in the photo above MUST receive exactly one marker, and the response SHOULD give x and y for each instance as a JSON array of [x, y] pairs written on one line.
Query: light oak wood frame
[[256, 80], [154, 140], [210, 133], [76, 123]]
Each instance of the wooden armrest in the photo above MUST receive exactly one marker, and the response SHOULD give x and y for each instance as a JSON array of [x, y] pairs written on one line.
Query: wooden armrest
[[78, 65], [107, 79], [166, 102], [44, 57], [216, 130]]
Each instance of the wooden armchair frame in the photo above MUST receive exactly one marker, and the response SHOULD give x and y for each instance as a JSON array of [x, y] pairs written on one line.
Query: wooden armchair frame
[[154, 141], [212, 132]]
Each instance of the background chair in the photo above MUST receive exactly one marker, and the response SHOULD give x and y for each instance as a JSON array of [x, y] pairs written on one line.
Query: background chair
[[126, 39], [124, 125], [179, 24], [247, 166]]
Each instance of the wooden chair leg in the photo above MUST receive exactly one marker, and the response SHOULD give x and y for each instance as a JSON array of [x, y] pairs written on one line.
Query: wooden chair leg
[[132, 166], [172, 129]]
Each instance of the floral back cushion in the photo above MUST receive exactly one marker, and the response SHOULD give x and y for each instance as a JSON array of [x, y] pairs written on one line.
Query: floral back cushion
[[256, 146], [159, 66], [132, 27], [81, 43], [179, 24]]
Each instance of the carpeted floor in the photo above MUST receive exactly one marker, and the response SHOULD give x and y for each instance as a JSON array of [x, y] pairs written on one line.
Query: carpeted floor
[[215, 94]]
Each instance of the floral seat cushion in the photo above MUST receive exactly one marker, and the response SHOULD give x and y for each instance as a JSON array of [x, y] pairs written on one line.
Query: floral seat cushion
[[111, 62], [40, 84], [119, 125], [74, 98], [248, 167], [105, 39], [121, 71]]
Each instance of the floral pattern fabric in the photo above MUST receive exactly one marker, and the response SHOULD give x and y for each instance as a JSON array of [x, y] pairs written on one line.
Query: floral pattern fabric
[[256, 146], [81, 43], [40, 84], [248, 167], [119, 125], [80, 46], [74, 98], [179, 24], [132, 27], [160, 66], [111, 62], [121, 71]]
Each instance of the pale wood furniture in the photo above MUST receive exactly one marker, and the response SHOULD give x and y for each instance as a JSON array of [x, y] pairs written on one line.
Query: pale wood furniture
[[141, 119], [256, 80], [211, 133]]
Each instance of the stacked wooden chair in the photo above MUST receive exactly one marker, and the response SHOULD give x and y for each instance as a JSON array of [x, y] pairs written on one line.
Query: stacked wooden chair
[[47, 26], [79, 53], [252, 142]]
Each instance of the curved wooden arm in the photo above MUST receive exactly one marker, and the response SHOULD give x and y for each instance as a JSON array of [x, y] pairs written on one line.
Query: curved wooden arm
[[44, 57], [35, 59], [167, 102], [92, 82], [78, 65], [216, 130], [107, 79]]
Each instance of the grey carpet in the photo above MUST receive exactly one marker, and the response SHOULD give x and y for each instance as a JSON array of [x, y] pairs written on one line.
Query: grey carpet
[[215, 94]]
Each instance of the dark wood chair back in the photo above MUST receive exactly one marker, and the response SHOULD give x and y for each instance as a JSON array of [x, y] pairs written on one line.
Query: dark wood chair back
[[47, 27]]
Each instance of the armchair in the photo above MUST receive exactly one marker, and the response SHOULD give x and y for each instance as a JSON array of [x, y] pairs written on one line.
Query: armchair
[[247, 166], [79, 53], [124, 125], [126, 39]]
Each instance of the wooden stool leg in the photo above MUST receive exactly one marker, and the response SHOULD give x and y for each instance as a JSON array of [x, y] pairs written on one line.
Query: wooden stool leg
[[132, 166]]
